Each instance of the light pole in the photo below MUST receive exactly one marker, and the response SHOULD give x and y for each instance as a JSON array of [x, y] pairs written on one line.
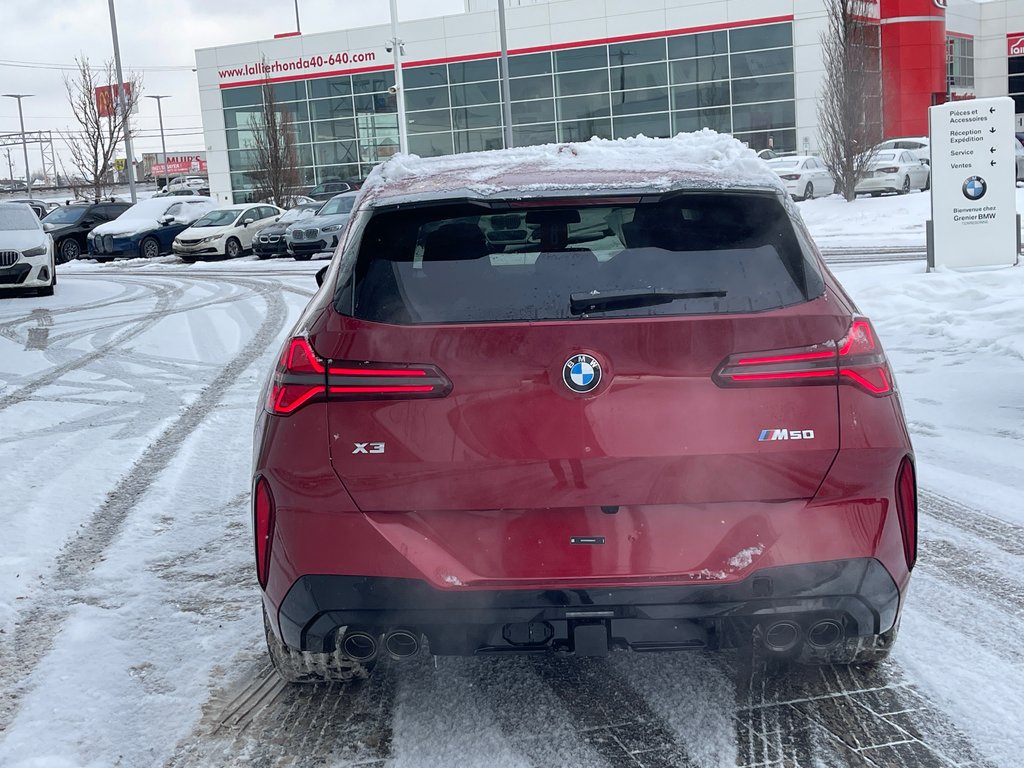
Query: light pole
[[298, 28], [122, 104], [163, 146], [506, 97], [396, 50], [24, 143]]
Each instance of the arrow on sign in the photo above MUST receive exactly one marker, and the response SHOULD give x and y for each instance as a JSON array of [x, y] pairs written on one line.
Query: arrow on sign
[[992, 149], [991, 110], [992, 129], [993, 162]]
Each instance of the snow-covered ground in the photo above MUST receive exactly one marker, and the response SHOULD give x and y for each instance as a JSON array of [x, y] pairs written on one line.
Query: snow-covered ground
[[130, 632]]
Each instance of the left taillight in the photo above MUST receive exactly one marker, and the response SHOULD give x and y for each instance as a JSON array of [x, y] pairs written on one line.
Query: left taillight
[[299, 378], [303, 377], [263, 528], [906, 508], [855, 359]]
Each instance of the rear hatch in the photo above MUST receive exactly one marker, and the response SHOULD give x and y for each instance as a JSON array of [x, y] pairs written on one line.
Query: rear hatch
[[581, 352]]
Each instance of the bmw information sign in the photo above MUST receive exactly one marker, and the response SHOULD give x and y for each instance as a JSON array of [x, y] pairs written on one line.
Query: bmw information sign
[[974, 201]]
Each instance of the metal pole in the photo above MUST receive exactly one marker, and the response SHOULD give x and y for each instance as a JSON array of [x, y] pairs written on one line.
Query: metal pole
[[24, 142], [506, 97], [396, 48], [163, 146], [122, 103], [24, 148], [298, 27], [10, 165]]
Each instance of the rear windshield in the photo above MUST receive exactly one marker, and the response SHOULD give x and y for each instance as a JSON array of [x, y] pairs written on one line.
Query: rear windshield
[[692, 253]]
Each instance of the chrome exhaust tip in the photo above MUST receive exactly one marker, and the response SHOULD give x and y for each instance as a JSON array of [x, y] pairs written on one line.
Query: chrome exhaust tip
[[402, 643], [782, 636], [825, 633], [359, 645]]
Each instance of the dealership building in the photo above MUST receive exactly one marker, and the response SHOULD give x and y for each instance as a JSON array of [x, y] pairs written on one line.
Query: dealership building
[[582, 68]]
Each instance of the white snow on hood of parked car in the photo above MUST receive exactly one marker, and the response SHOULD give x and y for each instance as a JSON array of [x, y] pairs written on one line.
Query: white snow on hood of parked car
[[146, 214]]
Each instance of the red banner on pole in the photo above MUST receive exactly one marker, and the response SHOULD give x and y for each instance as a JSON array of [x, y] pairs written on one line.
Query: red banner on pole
[[106, 99]]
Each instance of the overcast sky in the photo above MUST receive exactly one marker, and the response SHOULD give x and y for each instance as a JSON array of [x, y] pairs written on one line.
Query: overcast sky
[[40, 38]]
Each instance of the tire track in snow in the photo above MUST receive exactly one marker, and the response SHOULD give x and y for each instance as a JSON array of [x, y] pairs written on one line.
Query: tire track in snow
[[858, 717], [38, 624], [274, 723], [614, 718], [1000, 533], [166, 295]]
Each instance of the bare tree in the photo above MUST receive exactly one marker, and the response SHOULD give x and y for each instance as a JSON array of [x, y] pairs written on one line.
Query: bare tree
[[274, 165], [850, 104], [93, 146]]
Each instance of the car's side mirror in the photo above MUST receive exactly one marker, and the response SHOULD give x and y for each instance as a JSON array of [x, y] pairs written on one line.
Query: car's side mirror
[[924, 161], [320, 275], [88, 223], [247, 222], [165, 219]]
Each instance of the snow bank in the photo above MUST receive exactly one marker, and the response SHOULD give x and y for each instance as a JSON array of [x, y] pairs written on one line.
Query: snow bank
[[704, 158]]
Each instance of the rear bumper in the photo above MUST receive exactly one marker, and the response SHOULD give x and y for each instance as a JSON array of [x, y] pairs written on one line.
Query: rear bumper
[[857, 593], [881, 184]]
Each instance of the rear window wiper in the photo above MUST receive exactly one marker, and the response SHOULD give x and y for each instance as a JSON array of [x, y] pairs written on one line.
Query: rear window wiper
[[603, 301]]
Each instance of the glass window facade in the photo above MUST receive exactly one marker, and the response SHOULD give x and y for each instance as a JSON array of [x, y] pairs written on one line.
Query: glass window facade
[[959, 63], [738, 80]]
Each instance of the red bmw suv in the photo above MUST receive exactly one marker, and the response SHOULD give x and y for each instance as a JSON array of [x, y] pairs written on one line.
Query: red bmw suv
[[580, 398]]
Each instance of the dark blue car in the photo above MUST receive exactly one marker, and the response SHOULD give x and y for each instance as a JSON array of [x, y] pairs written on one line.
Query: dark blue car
[[146, 229]]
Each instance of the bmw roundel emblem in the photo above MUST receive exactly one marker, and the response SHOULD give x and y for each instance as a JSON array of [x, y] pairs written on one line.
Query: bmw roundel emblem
[[975, 188], [581, 373]]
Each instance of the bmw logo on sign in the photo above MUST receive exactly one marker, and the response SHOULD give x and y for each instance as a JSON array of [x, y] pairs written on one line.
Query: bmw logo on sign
[[975, 188], [581, 373]]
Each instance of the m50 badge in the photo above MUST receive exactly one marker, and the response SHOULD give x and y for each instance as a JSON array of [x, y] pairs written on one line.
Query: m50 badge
[[785, 434]]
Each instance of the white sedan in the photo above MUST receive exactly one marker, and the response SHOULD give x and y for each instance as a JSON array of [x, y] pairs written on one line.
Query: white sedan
[[894, 170], [224, 231], [804, 176]]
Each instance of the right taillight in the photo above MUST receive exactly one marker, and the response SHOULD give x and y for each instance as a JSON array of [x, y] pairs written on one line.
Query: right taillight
[[906, 508], [263, 528], [855, 359], [303, 377]]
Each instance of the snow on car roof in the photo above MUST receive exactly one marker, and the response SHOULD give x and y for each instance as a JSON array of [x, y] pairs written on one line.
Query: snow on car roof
[[703, 159]]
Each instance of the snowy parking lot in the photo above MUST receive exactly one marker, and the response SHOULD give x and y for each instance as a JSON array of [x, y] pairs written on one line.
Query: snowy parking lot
[[130, 629]]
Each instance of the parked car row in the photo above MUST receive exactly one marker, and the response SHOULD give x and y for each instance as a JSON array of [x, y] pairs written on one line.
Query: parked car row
[[898, 166]]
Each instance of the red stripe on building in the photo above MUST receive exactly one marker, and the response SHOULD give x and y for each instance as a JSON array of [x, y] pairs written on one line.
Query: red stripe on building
[[516, 51]]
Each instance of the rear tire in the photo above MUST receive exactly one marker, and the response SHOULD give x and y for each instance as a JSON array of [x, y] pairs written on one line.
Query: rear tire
[[809, 191], [232, 248], [149, 248], [68, 250], [306, 667], [906, 186]]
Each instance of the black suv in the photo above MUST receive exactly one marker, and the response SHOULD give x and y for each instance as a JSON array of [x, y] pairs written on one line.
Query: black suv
[[69, 224]]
